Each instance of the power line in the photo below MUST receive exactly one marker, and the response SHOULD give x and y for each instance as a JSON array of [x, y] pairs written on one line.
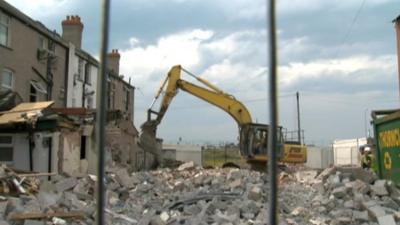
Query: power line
[[350, 28]]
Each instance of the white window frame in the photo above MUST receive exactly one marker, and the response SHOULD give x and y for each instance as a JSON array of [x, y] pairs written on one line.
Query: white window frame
[[4, 86], [7, 145], [42, 43], [81, 69], [6, 24], [88, 75], [39, 89]]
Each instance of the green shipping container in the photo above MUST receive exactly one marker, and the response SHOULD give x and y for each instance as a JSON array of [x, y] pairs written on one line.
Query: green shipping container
[[387, 138]]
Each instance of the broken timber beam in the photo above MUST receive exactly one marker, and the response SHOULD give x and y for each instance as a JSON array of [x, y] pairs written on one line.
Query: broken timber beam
[[36, 174]]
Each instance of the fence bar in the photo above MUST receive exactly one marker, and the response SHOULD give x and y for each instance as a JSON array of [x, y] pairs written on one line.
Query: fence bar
[[101, 111], [273, 111]]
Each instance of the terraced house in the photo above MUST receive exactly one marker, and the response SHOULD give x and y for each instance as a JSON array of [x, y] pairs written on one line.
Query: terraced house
[[33, 59], [37, 65]]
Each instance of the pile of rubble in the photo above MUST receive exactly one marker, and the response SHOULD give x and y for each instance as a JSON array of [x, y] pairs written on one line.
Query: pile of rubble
[[340, 196], [193, 195], [186, 195]]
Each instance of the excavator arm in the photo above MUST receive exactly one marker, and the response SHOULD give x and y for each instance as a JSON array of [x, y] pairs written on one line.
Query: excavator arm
[[211, 94]]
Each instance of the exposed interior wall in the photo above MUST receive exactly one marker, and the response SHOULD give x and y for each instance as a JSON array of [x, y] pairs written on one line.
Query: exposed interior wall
[[69, 153], [121, 142], [92, 155]]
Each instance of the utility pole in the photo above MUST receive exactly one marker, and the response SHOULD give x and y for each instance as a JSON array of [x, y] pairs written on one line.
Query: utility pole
[[396, 22], [366, 123], [298, 117]]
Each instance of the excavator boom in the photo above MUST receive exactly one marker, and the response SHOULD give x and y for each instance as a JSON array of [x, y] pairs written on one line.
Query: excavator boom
[[212, 95]]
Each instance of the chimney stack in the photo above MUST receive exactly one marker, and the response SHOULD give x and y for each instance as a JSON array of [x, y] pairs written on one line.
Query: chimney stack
[[72, 28], [113, 61], [396, 22]]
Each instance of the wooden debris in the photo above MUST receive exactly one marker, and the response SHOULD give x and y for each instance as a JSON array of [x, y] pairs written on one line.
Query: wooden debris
[[12, 183], [42, 215], [36, 174], [18, 185]]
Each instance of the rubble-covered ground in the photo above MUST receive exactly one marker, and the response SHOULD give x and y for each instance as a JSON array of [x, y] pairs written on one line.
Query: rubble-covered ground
[[193, 195]]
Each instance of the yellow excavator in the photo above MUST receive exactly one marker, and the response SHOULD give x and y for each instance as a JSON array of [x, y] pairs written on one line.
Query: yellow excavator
[[252, 136]]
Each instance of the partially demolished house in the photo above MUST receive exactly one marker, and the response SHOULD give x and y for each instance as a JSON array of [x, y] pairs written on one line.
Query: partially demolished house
[[34, 137], [59, 80]]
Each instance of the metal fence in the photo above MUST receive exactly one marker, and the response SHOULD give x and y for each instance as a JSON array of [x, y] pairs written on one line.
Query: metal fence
[[272, 105]]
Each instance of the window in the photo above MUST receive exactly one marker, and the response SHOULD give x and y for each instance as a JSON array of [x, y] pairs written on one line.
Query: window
[[111, 95], [88, 78], [83, 147], [42, 43], [80, 69], [6, 148], [4, 29], [32, 94], [6, 80], [127, 98], [90, 102], [36, 92]]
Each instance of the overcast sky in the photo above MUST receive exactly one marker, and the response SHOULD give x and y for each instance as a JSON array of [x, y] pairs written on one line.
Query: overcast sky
[[340, 55]]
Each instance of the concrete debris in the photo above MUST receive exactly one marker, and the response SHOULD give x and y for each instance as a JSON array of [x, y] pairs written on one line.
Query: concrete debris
[[255, 193], [386, 220], [379, 188], [65, 184], [186, 166], [192, 195]]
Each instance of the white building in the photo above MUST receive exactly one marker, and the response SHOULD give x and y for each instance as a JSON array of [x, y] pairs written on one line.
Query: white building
[[346, 152], [82, 79]]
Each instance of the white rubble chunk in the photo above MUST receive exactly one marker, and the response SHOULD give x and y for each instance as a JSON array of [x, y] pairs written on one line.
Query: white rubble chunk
[[186, 166], [376, 211], [58, 221], [164, 216], [379, 188], [386, 220], [255, 193]]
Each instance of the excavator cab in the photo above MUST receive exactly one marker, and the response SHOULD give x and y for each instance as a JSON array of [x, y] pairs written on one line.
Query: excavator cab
[[254, 142]]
